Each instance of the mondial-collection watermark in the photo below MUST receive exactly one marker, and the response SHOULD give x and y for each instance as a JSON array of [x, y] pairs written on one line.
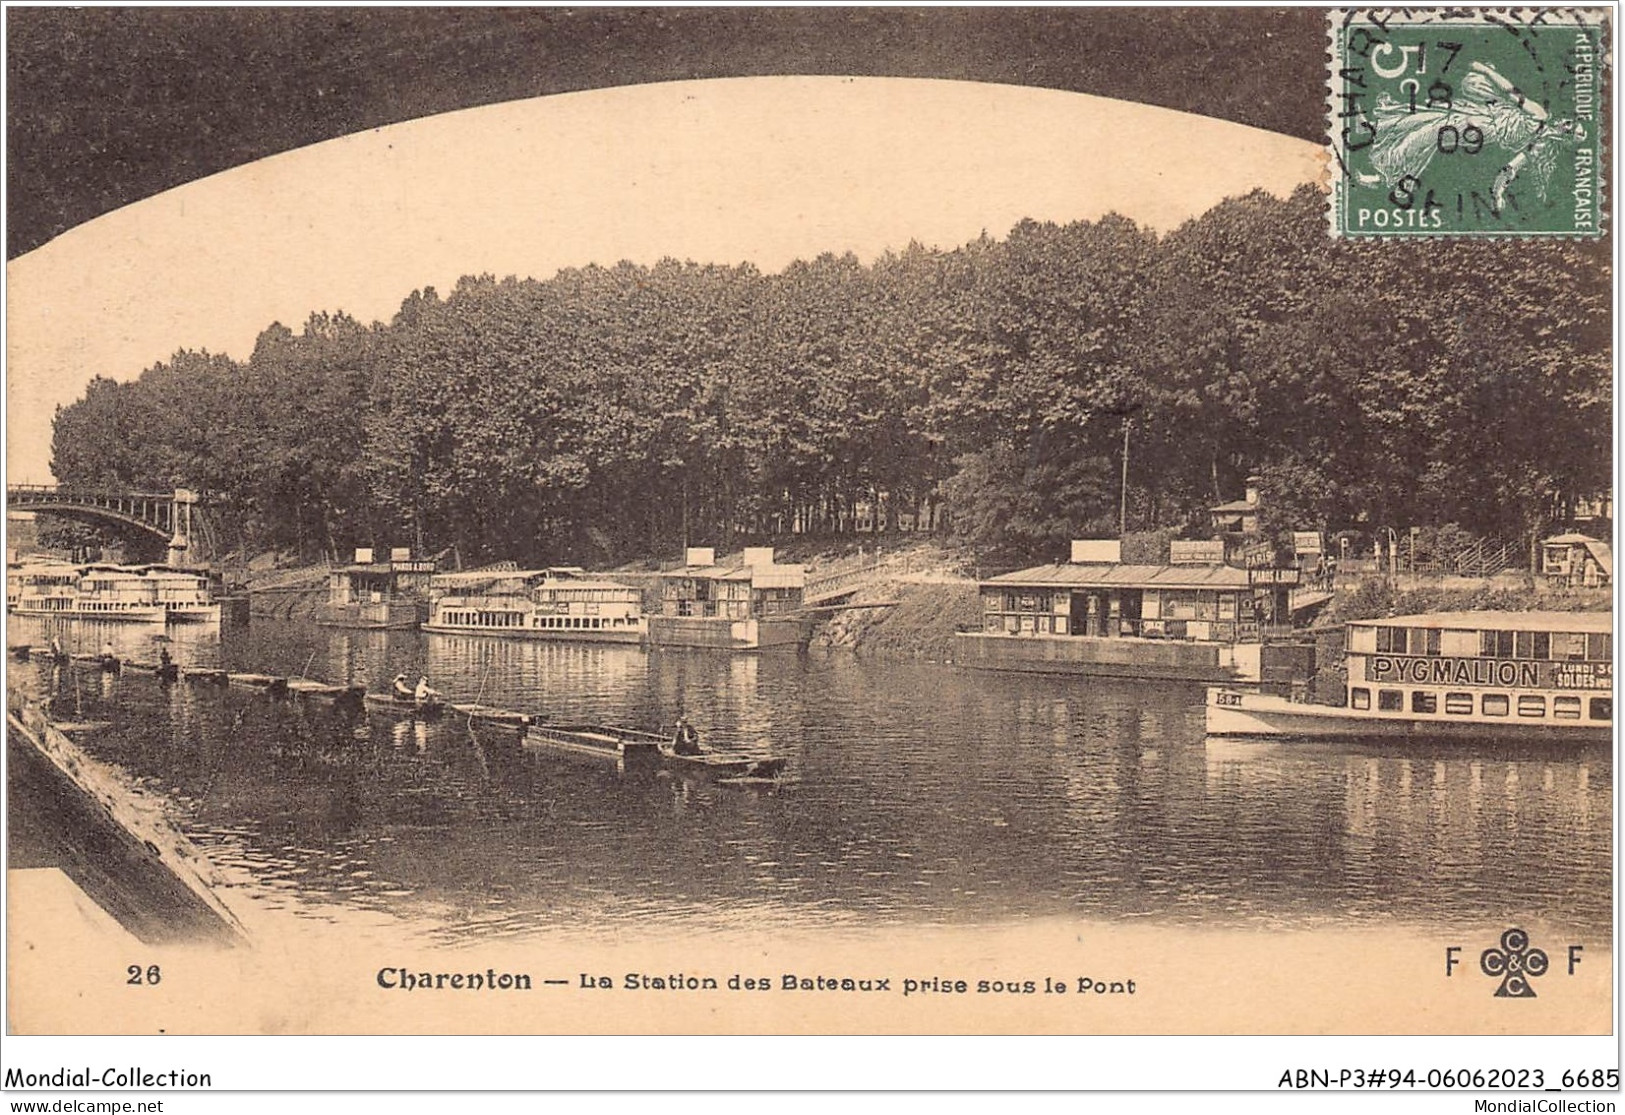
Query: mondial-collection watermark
[[132, 1077]]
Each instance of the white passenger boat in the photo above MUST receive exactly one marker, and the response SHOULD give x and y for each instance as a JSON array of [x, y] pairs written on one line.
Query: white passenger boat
[[50, 588], [1451, 675], [557, 603], [127, 593], [184, 594]]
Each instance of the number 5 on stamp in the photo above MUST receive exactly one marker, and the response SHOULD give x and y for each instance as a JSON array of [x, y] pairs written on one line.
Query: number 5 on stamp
[[1466, 122]]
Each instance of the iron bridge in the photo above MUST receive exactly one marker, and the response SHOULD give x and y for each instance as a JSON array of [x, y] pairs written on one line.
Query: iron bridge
[[173, 517]]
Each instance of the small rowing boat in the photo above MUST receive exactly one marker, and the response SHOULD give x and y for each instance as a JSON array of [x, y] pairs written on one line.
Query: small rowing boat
[[490, 715], [165, 671], [321, 690], [651, 748], [731, 767], [596, 739], [107, 662], [403, 706], [26, 653]]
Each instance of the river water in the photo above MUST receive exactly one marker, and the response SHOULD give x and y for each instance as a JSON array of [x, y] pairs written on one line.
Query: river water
[[920, 795]]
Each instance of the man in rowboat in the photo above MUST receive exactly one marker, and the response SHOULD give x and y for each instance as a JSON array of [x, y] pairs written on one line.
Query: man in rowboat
[[401, 689], [425, 696], [686, 741]]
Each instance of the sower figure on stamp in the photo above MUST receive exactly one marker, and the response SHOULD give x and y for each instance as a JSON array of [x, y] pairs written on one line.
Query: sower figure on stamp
[[1488, 110]]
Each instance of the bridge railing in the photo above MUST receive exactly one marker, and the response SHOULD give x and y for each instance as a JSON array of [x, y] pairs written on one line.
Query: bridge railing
[[53, 493], [828, 584]]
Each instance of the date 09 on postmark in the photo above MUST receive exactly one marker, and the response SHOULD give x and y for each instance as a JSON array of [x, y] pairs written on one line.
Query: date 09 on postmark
[[1467, 121]]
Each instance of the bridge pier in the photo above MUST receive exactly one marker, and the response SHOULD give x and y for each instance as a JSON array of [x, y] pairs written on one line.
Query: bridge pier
[[181, 520]]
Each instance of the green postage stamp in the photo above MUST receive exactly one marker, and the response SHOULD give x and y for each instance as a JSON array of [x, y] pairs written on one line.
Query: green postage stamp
[[1467, 121]]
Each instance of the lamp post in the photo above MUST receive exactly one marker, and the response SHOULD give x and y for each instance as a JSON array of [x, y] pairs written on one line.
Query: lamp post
[[1122, 502]]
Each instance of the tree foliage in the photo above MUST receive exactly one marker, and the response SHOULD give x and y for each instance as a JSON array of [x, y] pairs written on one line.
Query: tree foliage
[[615, 412]]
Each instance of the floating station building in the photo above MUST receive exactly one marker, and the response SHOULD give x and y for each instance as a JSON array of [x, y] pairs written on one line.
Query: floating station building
[[378, 594], [754, 605], [1194, 618]]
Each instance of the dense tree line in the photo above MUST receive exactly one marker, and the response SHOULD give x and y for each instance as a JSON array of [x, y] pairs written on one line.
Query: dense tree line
[[610, 413]]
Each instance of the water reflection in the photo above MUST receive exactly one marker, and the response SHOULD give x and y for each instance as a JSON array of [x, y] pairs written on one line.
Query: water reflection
[[196, 643], [923, 795]]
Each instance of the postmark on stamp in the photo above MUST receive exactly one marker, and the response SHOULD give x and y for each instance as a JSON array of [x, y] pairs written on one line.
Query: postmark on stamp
[[1467, 122]]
